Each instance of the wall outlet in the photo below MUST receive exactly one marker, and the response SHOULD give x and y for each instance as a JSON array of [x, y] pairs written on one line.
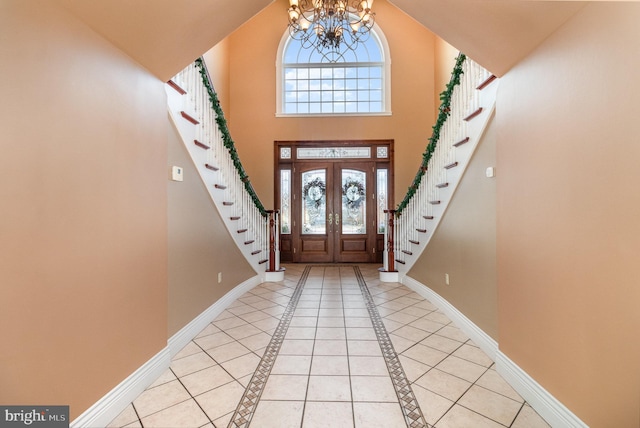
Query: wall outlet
[[446, 278], [219, 277]]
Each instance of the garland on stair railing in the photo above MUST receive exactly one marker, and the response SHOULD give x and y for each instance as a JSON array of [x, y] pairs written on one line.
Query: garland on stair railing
[[226, 136], [444, 112]]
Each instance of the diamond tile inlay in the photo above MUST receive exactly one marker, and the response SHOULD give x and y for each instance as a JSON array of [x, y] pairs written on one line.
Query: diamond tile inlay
[[246, 408], [413, 416], [259, 379]]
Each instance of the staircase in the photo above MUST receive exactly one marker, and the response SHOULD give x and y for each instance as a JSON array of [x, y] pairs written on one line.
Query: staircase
[[467, 108], [196, 114]]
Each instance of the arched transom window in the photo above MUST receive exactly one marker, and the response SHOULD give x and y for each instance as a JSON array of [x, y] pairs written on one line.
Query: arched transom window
[[353, 82]]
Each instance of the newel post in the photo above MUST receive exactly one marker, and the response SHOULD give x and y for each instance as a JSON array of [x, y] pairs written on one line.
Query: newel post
[[391, 259], [388, 273], [272, 239], [274, 271]]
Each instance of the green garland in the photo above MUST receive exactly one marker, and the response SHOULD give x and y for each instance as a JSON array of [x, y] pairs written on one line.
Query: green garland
[[444, 112], [226, 136]]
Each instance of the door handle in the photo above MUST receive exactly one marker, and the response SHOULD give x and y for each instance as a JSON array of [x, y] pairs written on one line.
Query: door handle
[[337, 219], [330, 218]]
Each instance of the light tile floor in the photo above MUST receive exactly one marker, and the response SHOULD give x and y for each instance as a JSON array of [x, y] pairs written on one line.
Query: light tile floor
[[328, 369]]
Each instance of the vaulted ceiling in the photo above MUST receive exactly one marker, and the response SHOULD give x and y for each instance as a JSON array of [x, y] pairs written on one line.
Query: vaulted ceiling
[[166, 35], [495, 33]]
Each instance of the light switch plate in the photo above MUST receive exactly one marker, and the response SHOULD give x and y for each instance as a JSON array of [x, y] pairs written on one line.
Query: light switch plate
[[177, 173], [491, 172]]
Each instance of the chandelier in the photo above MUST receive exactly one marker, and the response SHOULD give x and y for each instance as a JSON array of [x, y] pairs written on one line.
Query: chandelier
[[330, 26]]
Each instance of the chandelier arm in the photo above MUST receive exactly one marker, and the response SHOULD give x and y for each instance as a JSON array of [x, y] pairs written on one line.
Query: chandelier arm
[[330, 25]]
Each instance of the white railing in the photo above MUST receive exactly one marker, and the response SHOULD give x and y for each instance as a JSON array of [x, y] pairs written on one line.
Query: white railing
[[414, 220], [223, 174]]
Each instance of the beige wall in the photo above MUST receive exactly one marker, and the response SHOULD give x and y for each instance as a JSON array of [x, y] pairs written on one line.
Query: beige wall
[[83, 241], [568, 215], [91, 235], [217, 62], [252, 120], [199, 245], [464, 245], [445, 59]]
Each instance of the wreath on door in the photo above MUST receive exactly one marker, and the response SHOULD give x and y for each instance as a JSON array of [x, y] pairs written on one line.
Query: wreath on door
[[353, 192], [313, 192]]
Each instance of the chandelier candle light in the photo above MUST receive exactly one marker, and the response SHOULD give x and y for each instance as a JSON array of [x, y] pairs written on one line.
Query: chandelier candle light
[[330, 26]]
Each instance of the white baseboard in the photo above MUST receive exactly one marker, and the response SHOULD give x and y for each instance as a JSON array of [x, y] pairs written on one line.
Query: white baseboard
[[475, 333], [191, 330], [111, 405], [547, 406], [115, 401]]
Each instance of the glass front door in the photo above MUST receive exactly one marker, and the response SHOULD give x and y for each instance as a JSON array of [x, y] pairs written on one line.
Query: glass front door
[[331, 201], [336, 220]]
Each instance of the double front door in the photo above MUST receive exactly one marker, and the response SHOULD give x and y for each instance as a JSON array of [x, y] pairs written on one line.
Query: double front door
[[331, 208], [335, 212]]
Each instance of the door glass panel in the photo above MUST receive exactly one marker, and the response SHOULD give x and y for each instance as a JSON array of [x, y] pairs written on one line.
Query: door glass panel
[[354, 201], [314, 201], [381, 198], [285, 201]]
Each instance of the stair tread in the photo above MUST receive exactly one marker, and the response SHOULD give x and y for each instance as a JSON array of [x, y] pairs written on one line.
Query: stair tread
[[486, 82], [414, 242], [177, 87], [235, 217], [461, 142], [451, 165], [219, 186], [472, 115], [189, 117], [442, 185], [211, 167], [201, 144]]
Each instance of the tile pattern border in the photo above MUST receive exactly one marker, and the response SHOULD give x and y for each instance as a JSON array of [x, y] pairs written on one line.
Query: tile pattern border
[[249, 401], [408, 402]]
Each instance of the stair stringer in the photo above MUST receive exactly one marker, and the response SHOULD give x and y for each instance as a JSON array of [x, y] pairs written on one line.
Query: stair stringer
[[187, 131], [476, 128]]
